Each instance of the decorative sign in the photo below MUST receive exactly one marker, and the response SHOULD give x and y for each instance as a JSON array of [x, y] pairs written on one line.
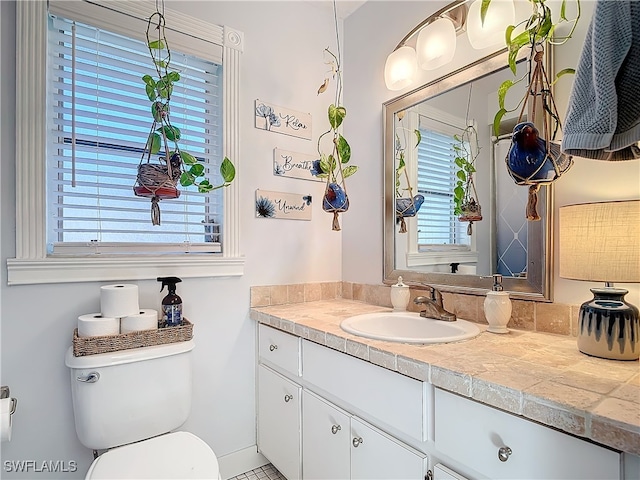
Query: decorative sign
[[294, 165], [282, 120], [292, 206]]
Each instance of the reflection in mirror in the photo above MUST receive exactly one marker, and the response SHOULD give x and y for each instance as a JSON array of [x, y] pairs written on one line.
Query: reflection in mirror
[[432, 135]]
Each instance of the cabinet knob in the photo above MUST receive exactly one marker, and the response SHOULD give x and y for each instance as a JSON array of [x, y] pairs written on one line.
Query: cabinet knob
[[357, 441], [504, 453], [288, 397], [335, 429], [273, 347]]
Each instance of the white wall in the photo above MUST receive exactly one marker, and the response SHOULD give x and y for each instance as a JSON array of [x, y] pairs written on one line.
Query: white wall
[[283, 64], [371, 33]]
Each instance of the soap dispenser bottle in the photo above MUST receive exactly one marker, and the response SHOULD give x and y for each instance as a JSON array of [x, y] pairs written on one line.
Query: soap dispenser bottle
[[497, 307], [399, 296], [171, 304]]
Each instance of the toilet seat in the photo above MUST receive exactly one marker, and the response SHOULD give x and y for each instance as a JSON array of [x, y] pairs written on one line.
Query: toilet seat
[[175, 455]]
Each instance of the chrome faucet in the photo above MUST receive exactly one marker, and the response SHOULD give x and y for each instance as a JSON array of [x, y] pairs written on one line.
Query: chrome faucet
[[433, 306]]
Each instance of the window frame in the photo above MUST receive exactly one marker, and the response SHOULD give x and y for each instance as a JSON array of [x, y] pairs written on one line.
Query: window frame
[[31, 264], [435, 255]]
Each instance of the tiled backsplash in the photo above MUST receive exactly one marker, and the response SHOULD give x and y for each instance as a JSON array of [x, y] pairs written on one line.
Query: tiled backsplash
[[555, 318]]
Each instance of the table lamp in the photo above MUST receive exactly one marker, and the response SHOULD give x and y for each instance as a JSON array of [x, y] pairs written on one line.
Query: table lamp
[[600, 242]]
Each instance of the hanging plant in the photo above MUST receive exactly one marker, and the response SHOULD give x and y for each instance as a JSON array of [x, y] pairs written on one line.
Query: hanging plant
[[174, 165], [406, 206], [334, 166], [534, 158], [466, 205]]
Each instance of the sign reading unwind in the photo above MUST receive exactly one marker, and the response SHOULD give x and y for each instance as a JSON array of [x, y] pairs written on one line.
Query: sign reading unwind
[[291, 206]]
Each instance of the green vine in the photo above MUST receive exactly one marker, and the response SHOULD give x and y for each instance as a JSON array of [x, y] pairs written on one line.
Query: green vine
[[539, 31], [401, 164], [163, 133], [341, 150], [465, 159]]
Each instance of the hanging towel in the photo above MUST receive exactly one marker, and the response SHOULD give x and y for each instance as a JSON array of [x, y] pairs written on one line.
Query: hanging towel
[[603, 119]]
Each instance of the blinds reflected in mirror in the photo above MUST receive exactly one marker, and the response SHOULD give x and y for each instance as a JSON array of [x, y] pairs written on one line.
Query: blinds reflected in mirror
[[437, 224]]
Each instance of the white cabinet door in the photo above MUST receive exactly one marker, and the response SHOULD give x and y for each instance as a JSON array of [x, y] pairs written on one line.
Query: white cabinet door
[[325, 440], [375, 455], [279, 438]]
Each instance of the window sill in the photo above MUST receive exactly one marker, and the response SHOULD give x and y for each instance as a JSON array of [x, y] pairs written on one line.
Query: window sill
[[441, 258], [118, 268]]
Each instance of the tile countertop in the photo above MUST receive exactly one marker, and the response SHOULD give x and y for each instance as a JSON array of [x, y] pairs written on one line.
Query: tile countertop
[[539, 376]]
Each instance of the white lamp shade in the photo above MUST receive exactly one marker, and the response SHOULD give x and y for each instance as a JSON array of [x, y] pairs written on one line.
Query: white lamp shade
[[400, 68], [600, 242], [500, 14], [436, 44]]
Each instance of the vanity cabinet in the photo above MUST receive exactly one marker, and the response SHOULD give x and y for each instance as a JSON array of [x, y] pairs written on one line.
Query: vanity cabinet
[[501, 445], [326, 415], [338, 445], [306, 435]]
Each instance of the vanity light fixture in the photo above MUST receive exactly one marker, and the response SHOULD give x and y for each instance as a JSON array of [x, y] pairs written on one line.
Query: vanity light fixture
[[435, 39], [600, 242], [436, 44], [500, 14]]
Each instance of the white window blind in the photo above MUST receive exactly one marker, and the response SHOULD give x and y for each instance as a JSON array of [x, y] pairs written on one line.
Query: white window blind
[[437, 224], [99, 120]]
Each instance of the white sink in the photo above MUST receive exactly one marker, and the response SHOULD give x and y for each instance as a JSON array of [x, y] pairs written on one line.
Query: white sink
[[408, 327]]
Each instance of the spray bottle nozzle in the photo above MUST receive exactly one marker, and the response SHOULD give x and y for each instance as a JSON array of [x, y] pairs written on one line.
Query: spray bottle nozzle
[[169, 281]]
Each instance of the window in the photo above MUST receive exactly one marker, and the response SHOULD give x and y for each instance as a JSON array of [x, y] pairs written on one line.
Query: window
[[35, 262], [99, 120], [437, 225]]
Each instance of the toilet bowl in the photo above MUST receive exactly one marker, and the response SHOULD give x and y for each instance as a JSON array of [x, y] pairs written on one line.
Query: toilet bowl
[[125, 402]]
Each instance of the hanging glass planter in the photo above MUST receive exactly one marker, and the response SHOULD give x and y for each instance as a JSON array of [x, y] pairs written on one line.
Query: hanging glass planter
[[535, 159], [406, 206], [334, 166]]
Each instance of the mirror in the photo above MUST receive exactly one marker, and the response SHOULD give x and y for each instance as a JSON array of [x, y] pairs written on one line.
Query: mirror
[[503, 241]]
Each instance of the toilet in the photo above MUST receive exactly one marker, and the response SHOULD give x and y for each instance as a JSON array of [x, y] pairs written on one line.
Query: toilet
[[129, 404]]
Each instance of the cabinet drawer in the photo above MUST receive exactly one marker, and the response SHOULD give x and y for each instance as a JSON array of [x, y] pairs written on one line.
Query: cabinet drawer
[[279, 349], [472, 434], [397, 401]]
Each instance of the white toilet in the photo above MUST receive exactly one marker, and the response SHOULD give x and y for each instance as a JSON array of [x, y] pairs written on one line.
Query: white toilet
[[127, 402]]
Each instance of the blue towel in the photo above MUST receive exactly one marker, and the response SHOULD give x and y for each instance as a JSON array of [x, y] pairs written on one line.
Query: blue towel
[[603, 119]]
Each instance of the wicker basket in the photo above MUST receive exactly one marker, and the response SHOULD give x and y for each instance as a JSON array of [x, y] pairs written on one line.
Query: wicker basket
[[145, 338]]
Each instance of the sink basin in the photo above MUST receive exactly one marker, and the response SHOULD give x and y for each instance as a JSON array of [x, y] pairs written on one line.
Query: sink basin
[[408, 327]]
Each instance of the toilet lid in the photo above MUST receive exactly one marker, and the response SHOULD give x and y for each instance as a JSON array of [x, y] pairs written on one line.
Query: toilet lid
[[174, 455]]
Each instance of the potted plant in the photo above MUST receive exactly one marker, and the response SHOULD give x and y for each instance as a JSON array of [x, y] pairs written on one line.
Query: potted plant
[[466, 205], [534, 159], [334, 166], [409, 205], [539, 31], [159, 180]]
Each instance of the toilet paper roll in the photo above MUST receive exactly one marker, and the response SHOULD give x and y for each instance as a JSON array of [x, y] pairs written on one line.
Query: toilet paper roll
[[146, 319], [97, 325], [6, 406], [119, 300]]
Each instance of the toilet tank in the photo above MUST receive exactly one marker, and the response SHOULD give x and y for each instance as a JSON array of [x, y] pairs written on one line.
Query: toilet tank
[[130, 395]]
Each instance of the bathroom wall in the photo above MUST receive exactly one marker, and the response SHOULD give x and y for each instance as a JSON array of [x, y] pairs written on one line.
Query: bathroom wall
[[365, 92], [283, 64]]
